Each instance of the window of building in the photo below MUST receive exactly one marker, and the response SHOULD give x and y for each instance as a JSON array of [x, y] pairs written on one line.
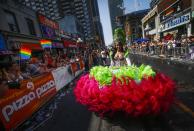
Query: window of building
[[11, 20], [33, 3], [28, 4], [34, 7], [152, 24], [31, 28]]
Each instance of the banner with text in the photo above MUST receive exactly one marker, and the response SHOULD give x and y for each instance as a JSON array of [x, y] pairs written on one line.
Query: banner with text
[[62, 76], [19, 104]]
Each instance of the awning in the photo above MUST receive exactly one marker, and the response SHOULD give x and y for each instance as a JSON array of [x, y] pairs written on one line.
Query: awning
[[70, 44], [57, 45], [168, 37], [31, 46], [140, 40]]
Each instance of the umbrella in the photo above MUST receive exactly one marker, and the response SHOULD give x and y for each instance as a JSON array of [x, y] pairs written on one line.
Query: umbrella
[[140, 40]]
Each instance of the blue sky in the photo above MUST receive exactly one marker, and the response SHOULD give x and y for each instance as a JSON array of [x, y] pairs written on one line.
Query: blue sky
[[130, 5]]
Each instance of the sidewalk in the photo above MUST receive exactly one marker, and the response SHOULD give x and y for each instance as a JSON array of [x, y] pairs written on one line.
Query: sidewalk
[[179, 60]]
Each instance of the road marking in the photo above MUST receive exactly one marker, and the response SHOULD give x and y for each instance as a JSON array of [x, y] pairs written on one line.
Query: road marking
[[183, 107]]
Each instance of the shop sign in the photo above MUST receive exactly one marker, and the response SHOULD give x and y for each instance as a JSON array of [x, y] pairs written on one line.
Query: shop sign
[[176, 22], [48, 32], [50, 23], [19, 104]]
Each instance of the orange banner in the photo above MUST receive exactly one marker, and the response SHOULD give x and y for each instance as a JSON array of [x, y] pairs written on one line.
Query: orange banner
[[19, 104]]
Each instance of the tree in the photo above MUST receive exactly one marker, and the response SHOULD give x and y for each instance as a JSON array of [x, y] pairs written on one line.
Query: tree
[[119, 35]]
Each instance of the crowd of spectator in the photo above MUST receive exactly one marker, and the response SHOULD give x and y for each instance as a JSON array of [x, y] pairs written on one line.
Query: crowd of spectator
[[11, 74], [182, 48], [17, 71]]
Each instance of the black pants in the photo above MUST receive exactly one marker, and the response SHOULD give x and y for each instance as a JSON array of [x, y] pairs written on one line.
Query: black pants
[[86, 62]]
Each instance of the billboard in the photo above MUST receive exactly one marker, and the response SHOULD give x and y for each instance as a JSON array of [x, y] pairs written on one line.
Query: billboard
[[49, 28]]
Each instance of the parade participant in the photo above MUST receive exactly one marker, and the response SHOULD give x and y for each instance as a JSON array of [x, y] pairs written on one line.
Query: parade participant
[[111, 56], [86, 60], [121, 88], [103, 57], [135, 91], [127, 56], [119, 56]]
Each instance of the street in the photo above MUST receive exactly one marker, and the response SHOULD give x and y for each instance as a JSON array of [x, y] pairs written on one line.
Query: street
[[138, 56], [63, 113]]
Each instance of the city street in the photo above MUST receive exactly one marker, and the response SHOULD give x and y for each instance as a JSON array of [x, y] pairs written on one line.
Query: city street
[[63, 113], [96, 65]]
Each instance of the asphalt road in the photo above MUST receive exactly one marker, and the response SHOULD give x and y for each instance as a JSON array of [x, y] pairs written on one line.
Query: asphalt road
[[63, 113]]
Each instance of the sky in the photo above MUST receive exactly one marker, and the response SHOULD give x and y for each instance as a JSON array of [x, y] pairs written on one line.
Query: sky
[[130, 5]]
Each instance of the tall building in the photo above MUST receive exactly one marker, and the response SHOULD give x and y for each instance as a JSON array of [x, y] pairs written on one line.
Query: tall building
[[98, 32], [19, 26], [115, 9], [70, 24], [80, 9], [132, 24], [85, 11], [58, 9], [150, 24], [49, 8]]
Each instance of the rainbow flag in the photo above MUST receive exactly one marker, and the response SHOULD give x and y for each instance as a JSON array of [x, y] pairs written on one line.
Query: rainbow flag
[[46, 43], [25, 53]]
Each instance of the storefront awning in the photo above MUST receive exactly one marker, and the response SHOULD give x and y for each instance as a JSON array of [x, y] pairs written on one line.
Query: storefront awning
[[31, 46], [168, 37]]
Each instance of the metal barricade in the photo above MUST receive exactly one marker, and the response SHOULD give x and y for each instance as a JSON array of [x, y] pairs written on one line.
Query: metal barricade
[[162, 50]]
